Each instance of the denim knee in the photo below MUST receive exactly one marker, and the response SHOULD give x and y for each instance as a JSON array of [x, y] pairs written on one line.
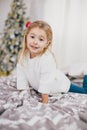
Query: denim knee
[[85, 81]]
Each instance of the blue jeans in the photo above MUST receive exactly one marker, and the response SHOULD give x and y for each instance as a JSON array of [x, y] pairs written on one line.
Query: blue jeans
[[78, 89]]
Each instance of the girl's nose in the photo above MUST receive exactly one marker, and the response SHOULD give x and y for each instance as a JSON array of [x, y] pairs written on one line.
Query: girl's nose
[[35, 41]]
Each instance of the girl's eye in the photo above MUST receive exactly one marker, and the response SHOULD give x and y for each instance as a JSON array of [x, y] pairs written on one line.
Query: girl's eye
[[41, 39], [32, 36]]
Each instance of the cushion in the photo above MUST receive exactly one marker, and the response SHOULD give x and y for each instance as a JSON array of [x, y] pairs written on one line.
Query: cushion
[[77, 69]]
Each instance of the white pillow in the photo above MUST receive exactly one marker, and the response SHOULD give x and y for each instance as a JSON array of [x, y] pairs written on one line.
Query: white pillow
[[77, 69]]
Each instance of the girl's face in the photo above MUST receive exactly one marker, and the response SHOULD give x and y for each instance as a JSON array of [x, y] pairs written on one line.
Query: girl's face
[[36, 41]]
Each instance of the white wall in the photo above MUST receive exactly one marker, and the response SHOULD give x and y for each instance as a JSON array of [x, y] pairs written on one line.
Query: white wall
[[4, 9]]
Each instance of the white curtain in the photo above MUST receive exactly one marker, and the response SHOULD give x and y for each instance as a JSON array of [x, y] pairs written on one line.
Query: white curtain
[[68, 19]]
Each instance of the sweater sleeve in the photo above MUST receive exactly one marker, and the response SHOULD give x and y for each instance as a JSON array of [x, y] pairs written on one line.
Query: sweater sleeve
[[22, 82]]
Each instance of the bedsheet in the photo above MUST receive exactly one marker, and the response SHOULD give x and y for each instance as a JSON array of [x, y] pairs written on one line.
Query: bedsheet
[[22, 111]]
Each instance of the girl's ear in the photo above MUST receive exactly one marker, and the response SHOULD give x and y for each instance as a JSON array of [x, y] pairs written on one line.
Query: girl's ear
[[48, 43]]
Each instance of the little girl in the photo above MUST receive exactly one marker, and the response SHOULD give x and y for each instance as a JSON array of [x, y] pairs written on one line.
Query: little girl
[[37, 66]]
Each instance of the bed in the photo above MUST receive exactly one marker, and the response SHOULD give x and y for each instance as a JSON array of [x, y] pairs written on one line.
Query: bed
[[20, 111]]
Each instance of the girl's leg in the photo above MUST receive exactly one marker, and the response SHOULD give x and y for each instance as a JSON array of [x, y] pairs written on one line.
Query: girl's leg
[[85, 82], [77, 89]]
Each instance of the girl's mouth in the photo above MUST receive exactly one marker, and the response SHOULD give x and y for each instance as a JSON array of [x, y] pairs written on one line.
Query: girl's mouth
[[34, 47]]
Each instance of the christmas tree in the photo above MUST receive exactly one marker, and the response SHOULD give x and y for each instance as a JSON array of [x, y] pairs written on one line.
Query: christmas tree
[[11, 41]]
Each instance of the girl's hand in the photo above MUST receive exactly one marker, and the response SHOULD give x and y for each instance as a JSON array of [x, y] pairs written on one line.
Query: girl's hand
[[44, 98]]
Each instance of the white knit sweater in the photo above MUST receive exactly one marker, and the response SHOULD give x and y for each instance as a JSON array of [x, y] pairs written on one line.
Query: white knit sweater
[[41, 73]]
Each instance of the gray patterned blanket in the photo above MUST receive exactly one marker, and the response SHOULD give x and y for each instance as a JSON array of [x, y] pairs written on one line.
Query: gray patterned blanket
[[20, 111]]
